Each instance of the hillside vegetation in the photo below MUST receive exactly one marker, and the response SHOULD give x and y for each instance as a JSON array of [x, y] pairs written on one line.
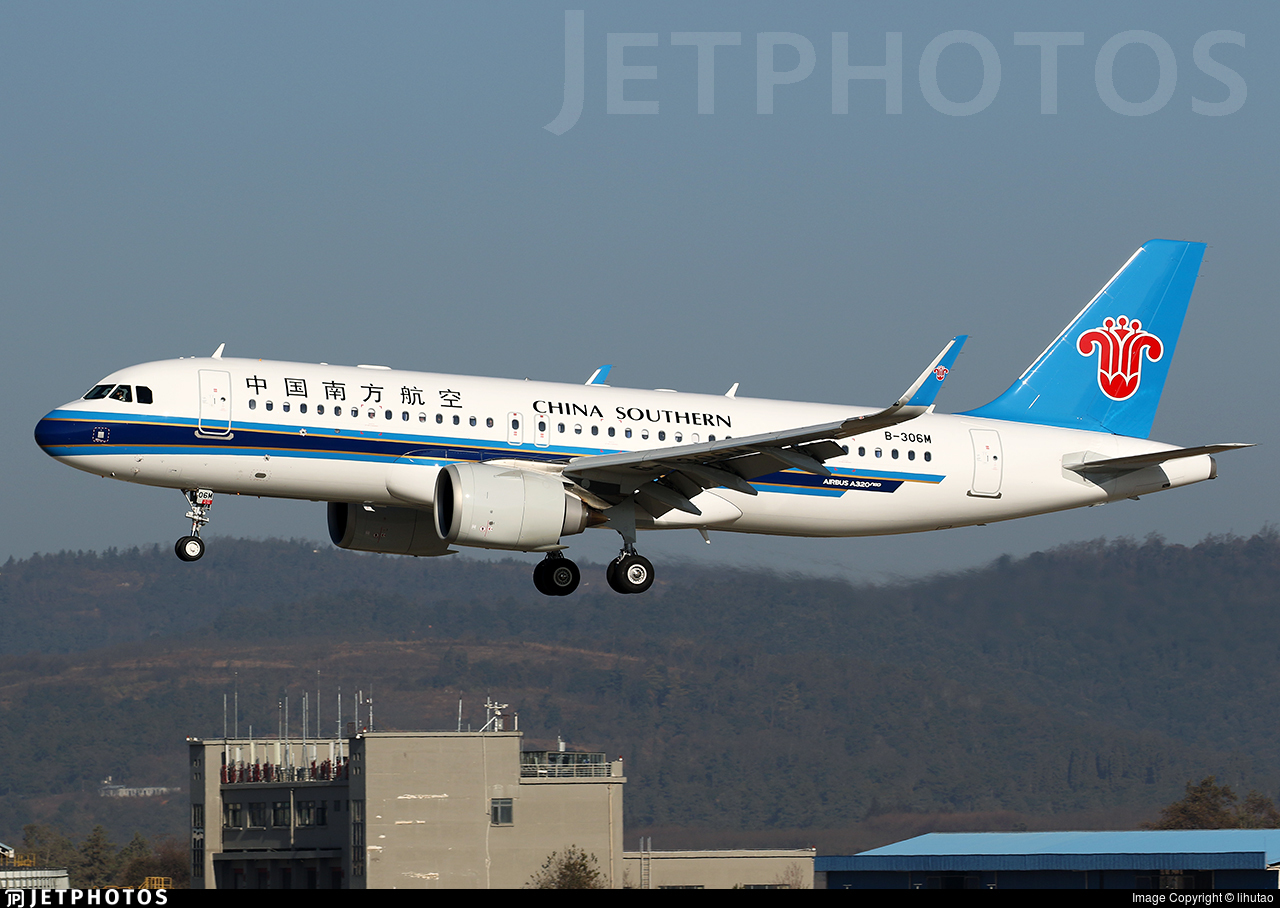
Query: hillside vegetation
[[1086, 684]]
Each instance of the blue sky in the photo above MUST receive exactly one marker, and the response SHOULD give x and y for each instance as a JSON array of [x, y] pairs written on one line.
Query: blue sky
[[352, 183]]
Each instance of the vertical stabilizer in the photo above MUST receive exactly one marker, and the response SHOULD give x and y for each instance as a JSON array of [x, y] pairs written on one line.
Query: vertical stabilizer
[[1106, 370]]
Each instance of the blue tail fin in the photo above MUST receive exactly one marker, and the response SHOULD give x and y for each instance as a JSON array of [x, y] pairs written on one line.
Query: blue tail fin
[[1106, 370]]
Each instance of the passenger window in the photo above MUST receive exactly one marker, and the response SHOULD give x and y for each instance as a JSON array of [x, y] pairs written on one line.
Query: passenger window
[[439, 418], [489, 422], [694, 438], [320, 409], [711, 438], [626, 432], [302, 408], [862, 452], [895, 453], [372, 413], [122, 393], [542, 425], [456, 419], [269, 405], [577, 430], [560, 427], [928, 456], [612, 431], [473, 420], [337, 411], [253, 404], [679, 436], [911, 455], [404, 415], [390, 415], [285, 406], [662, 435], [515, 424], [144, 394], [97, 392], [422, 417], [644, 433], [879, 453], [595, 430]]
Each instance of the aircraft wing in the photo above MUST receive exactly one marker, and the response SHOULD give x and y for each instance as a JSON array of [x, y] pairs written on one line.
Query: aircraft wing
[[1139, 461], [667, 478]]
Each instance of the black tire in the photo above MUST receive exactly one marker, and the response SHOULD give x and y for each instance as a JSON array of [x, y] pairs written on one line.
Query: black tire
[[634, 574], [189, 548], [562, 576], [611, 575], [541, 580]]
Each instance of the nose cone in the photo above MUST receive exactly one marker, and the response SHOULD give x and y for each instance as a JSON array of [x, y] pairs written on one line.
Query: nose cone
[[54, 433]]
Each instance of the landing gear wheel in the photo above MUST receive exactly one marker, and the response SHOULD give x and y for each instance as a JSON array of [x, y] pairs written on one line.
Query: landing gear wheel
[[540, 579], [563, 576], [556, 576], [189, 548], [630, 574]]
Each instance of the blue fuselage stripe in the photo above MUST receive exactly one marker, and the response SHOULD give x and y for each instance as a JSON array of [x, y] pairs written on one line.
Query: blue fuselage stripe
[[72, 434]]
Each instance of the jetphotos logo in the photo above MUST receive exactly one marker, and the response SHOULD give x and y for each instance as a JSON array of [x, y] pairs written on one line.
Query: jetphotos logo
[[1121, 346], [1217, 90]]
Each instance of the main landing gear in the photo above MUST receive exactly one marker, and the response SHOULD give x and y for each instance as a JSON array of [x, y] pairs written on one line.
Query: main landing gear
[[629, 572], [556, 575], [191, 548]]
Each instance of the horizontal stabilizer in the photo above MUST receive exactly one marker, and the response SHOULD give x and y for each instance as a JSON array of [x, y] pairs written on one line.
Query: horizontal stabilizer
[[1140, 461]]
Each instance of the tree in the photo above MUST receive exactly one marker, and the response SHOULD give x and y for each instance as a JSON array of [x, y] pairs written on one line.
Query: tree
[[47, 845], [169, 858], [1213, 806], [572, 869], [97, 862]]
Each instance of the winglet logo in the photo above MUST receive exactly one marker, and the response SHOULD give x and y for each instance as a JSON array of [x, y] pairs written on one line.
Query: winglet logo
[[940, 373], [1121, 345]]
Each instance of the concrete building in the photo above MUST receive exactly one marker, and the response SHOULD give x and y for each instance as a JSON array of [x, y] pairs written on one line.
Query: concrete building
[[756, 868], [396, 810]]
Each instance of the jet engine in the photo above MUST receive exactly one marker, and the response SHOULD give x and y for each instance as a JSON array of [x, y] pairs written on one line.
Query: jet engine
[[392, 531], [501, 508]]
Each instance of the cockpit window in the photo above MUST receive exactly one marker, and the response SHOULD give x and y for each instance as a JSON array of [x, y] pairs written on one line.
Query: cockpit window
[[97, 392], [144, 394], [122, 393]]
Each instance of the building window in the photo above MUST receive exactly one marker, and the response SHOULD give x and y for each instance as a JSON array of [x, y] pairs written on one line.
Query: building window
[[306, 813], [257, 814], [357, 838], [232, 818], [197, 816], [280, 814], [500, 812]]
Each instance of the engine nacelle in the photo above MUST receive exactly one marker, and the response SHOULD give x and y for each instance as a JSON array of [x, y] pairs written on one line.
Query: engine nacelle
[[392, 531], [502, 508]]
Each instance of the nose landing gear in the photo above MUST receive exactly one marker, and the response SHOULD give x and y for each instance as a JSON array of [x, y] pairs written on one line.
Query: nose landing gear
[[191, 548]]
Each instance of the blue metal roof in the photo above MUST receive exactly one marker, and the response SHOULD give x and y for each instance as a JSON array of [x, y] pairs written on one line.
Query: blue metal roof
[[1200, 849]]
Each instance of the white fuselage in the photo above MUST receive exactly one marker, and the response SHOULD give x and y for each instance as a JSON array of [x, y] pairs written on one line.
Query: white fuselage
[[379, 436]]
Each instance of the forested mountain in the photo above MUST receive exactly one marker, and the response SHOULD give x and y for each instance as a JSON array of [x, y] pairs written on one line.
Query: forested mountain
[[1094, 679]]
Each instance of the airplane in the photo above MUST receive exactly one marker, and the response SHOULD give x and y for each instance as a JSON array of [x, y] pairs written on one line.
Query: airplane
[[416, 463]]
